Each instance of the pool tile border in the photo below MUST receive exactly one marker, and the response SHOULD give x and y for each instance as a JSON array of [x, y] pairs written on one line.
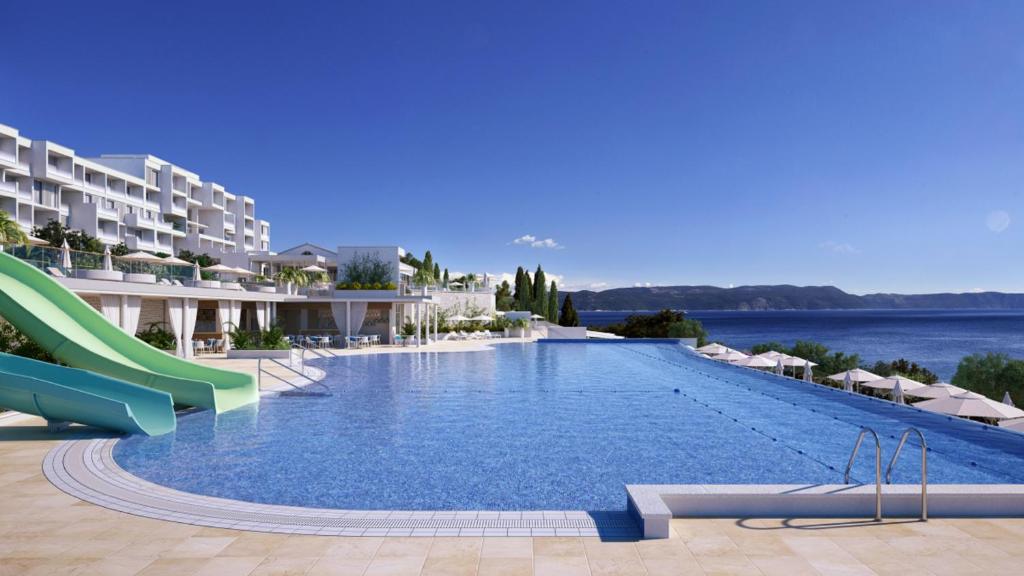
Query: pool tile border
[[86, 469]]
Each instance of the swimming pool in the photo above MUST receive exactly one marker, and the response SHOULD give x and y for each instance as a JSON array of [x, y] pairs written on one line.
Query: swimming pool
[[546, 426]]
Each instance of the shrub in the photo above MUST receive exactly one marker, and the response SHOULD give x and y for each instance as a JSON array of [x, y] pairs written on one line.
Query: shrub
[[158, 337], [366, 269]]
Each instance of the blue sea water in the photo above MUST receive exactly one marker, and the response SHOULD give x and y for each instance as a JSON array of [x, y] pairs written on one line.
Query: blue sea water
[[545, 426], [936, 339]]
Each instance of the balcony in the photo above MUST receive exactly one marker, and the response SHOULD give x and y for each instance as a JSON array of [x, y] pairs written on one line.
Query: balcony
[[8, 188], [163, 224], [138, 220], [229, 220], [8, 158], [108, 213]]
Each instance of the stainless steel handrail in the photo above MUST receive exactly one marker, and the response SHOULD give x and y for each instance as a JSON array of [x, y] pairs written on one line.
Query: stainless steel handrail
[[878, 467], [924, 467]]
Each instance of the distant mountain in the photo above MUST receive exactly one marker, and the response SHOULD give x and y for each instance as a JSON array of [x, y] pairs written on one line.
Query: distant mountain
[[780, 297]]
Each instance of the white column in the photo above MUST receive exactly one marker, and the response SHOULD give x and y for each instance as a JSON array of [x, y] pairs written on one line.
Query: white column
[[348, 319], [419, 340], [426, 323], [435, 322]]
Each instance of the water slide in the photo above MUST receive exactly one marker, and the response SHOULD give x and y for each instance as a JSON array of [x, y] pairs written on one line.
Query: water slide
[[67, 394], [76, 334]]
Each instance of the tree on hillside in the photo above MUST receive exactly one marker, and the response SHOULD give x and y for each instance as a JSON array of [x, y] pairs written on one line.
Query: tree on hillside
[[524, 291], [568, 317], [428, 264], [444, 279], [905, 368], [540, 292], [437, 272], [992, 375], [552, 311]]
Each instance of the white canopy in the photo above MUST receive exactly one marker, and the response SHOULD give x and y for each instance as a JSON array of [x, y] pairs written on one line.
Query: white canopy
[[897, 393], [1007, 399], [218, 268], [771, 355], [730, 356], [755, 362], [972, 405], [142, 257], [906, 384], [458, 318], [196, 276], [939, 390], [714, 348], [1015, 424], [65, 255], [314, 268], [175, 261], [536, 317], [856, 375], [795, 361], [37, 241], [242, 271], [108, 264]]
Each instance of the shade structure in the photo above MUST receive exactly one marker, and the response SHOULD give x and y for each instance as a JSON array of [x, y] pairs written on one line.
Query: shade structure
[[847, 382], [906, 384], [771, 354], [808, 373], [1007, 399], [536, 317], [730, 356], [971, 405], [314, 268], [714, 348], [458, 318], [481, 318], [175, 261], [795, 361], [242, 271], [779, 368], [37, 241], [141, 256], [65, 258], [939, 390], [856, 376], [196, 276], [1015, 424], [218, 268], [755, 362], [897, 393], [108, 263]]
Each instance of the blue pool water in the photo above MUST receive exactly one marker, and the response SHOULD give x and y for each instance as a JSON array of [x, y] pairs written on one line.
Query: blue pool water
[[546, 426]]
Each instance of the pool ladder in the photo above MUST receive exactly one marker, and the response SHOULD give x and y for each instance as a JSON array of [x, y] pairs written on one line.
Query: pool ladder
[[864, 431]]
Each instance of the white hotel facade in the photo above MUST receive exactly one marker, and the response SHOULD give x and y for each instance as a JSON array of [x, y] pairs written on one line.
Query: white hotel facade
[[155, 206]]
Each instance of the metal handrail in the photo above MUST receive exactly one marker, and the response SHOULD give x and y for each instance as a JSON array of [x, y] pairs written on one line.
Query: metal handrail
[[878, 467], [924, 467]]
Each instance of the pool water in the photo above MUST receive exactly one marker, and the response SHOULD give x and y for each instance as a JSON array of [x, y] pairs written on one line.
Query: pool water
[[547, 426]]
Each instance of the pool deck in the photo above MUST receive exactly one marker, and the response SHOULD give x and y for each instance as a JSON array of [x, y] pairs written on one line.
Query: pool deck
[[45, 531]]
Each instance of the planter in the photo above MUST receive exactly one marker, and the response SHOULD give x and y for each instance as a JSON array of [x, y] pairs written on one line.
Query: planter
[[141, 278], [250, 354], [115, 275], [207, 284]]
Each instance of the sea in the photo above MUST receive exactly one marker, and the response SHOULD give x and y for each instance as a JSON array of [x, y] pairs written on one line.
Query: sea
[[935, 339]]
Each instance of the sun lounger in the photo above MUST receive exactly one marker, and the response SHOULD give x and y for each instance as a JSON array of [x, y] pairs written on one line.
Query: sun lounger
[[55, 272]]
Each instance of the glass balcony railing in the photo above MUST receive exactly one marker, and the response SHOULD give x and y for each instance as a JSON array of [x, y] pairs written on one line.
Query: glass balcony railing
[[47, 257]]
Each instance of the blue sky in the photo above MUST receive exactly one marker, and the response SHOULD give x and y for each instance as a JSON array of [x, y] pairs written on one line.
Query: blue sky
[[876, 146]]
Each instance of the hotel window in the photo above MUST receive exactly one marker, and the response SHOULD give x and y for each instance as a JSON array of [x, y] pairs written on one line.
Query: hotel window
[[88, 177], [52, 161], [88, 198]]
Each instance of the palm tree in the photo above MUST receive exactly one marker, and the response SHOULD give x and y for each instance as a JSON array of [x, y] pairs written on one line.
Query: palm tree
[[471, 280], [292, 277], [10, 232]]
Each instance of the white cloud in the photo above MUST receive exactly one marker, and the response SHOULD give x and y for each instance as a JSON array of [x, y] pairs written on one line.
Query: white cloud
[[534, 242], [641, 285], [597, 285], [839, 247], [997, 221]]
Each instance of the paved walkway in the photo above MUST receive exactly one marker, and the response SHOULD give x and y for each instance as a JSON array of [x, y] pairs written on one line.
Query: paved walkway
[[44, 531]]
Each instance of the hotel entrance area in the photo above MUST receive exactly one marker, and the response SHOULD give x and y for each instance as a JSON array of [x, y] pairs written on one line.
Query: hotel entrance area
[[355, 323]]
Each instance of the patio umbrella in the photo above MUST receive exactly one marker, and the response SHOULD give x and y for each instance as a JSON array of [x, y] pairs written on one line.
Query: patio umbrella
[[141, 256], [196, 276], [65, 259], [897, 393], [536, 317], [108, 264], [1006, 399], [808, 373], [847, 382], [795, 361], [314, 268], [714, 348], [458, 318], [856, 376], [971, 405], [755, 362], [730, 356], [906, 384], [37, 241], [1015, 424], [242, 272], [779, 368], [219, 268], [940, 390], [173, 261]]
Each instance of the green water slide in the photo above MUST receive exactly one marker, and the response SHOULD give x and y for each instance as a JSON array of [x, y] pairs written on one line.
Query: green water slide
[[62, 394], [75, 333]]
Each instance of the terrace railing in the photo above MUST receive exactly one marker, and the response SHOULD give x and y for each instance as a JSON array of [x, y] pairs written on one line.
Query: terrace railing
[[44, 257]]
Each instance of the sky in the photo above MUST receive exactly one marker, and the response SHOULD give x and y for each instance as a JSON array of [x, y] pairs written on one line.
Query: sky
[[875, 146]]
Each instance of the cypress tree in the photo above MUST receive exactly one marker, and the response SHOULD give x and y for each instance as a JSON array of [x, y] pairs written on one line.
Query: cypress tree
[[524, 293], [445, 280], [540, 293], [568, 317], [552, 312], [437, 271], [428, 263]]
